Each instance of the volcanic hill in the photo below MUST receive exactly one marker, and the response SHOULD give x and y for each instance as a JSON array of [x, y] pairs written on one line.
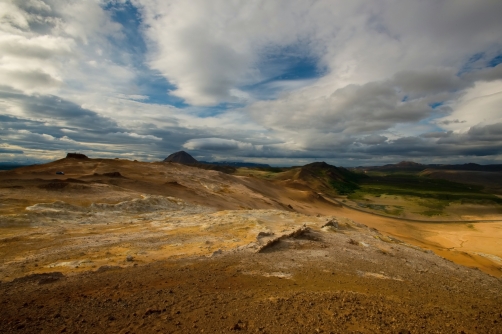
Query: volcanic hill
[[181, 157]]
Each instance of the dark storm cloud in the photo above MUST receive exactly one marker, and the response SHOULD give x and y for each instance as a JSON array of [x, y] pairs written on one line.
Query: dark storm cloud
[[430, 81], [436, 134], [454, 121], [477, 135], [11, 151], [59, 109], [354, 109], [486, 74]]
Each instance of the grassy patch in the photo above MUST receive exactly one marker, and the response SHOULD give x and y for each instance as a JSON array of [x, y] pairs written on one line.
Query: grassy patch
[[436, 205], [433, 196], [272, 169], [395, 210], [424, 188], [344, 188], [358, 195]]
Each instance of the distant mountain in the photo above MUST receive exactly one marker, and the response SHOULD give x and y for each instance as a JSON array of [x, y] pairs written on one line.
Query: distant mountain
[[408, 164], [181, 157], [469, 167], [404, 166], [235, 164], [401, 166], [11, 165]]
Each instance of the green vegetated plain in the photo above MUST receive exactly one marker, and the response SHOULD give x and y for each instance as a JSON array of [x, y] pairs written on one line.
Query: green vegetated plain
[[412, 192]]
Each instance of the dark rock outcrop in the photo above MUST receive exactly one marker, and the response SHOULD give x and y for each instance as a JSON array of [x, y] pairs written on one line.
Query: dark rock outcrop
[[76, 156]]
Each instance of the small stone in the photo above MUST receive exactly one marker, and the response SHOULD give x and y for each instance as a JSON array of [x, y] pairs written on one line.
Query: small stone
[[129, 258], [236, 327], [218, 252]]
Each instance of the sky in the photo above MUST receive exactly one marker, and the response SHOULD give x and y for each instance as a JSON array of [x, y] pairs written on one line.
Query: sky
[[283, 82]]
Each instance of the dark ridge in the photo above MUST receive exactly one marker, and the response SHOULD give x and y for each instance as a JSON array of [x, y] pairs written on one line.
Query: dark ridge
[[112, 174], [326, 177], [408, 166], [76, 156], [469, 167], [235, 164], [11, 165], [181, 157], [220, 168]]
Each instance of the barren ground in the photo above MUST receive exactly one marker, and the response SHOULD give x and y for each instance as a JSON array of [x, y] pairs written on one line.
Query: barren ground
[[170, 248]]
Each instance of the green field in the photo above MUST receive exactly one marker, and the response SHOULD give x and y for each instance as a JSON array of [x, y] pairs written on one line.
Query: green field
[[432, 196]]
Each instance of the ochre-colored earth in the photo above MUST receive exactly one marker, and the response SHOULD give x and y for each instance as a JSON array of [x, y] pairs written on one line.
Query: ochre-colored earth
[[130, 247]]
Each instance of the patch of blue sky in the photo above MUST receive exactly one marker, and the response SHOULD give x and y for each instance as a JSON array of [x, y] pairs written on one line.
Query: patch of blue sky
[[129, 17], [472, 63], [479, 61], [152, 84], [435, 105], [131, 51], [495, 61], [430, 121], [213, 111], [288, 64]]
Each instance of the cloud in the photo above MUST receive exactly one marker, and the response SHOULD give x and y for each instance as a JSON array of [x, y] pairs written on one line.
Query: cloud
[[59, 111], [137, 136], [479, 105], [453, 121], [429, 81], [29, 81], [10, 151], [283, 81], [373, 139], [486, 74], [41, 47], [350, 110], [217, 144]]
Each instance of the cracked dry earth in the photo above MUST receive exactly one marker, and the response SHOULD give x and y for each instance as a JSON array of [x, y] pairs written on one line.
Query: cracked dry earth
[[147, 262]]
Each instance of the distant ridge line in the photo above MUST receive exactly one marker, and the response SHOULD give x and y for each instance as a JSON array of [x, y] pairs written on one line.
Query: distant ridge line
[[410, 165]]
